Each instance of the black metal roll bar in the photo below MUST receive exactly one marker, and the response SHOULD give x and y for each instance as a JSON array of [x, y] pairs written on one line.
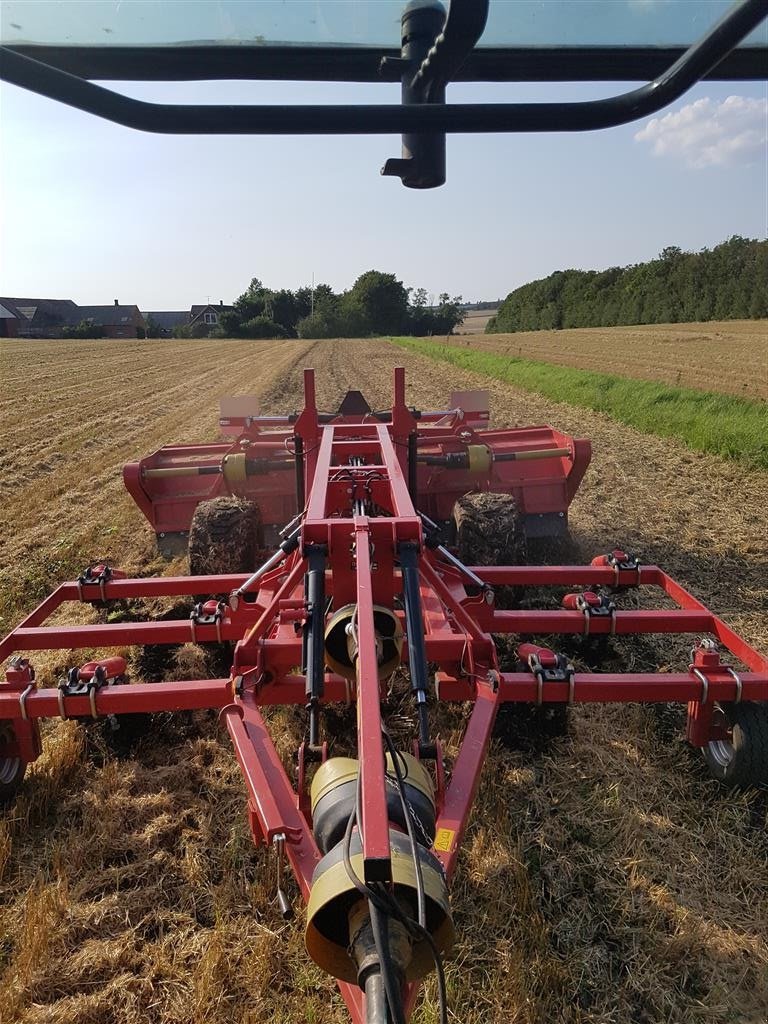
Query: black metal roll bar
[[418, 115]]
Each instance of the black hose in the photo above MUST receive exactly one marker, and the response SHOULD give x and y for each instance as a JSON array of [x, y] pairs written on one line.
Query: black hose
[[387, 904], [376, 1011], [420, 897], [376, 906], [380, 929]]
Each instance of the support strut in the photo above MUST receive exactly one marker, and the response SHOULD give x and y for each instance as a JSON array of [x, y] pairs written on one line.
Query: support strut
[[417, 654], [314, 640]]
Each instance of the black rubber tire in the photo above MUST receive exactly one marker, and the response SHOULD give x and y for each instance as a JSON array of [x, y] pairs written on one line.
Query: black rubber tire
[[741, 761], [225, 536], [12, 769]]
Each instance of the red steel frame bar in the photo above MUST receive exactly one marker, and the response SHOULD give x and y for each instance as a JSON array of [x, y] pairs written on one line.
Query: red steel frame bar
[[271, 797], [375, 824]]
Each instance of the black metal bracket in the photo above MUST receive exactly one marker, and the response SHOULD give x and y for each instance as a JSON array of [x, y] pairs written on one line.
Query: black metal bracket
[[422, 164], [434, 46]]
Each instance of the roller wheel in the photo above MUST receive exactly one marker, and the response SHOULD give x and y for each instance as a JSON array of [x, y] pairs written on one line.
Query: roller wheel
[[12, 769], [224, 537], [489, 530], [741, 759]]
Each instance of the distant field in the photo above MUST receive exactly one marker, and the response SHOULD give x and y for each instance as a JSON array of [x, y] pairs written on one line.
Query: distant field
[[476, 320], [707, 421], [730, 356]]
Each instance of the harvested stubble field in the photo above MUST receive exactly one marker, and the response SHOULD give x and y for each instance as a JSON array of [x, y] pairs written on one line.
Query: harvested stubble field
[[603, 879], [729, 356]]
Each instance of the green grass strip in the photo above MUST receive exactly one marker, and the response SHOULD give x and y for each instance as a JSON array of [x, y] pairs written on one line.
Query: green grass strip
[[736, 428]]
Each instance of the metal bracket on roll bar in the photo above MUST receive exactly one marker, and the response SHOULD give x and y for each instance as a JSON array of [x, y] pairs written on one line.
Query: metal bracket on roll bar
[[72, 686], [737, 680], [207, 613], [592, 605], [706, 655], [97, 575], [547, 666], [621, 562], [23, 701]]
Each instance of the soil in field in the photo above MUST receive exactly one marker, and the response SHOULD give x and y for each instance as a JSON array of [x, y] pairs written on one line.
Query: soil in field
[[729, 356], [604, 878], [476, 321]]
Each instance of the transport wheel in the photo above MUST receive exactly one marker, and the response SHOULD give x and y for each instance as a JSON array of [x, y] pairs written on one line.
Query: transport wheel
[[224, 537], [12, 769], [741, 759]]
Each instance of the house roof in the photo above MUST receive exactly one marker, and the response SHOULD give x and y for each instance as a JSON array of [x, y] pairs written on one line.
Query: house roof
[[42, 311], [166, 320], [110, 316], [195, 311]]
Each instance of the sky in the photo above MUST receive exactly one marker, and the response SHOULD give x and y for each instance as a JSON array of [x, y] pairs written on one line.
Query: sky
[[94, 212]]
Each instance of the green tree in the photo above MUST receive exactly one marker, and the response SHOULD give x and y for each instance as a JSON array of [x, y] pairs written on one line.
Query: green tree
[[85, 329], [380, 301], [230, 324], [727, 282], [262, 327]]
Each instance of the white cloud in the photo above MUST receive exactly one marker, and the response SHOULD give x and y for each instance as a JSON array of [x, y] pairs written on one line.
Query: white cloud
[[709, 133]]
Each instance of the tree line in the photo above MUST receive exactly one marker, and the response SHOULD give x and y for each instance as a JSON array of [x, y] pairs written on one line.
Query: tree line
[[728, 282], [376, 304]]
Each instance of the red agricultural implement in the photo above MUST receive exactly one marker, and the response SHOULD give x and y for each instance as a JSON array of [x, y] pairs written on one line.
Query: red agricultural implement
[[406, 532], [361, 583], [452, 452]]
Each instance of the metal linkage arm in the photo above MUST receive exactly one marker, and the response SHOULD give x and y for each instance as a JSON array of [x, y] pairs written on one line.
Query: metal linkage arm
[[417, 655]]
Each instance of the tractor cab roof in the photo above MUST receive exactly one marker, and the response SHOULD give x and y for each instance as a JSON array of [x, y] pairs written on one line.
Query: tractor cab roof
[[56, 48]]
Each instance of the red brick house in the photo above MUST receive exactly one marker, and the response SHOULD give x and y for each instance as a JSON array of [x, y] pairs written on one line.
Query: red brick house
[[48, 318], [9, 320], [116, 321]]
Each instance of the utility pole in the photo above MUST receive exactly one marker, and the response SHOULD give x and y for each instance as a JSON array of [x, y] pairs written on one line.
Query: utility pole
[[312, 296]]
